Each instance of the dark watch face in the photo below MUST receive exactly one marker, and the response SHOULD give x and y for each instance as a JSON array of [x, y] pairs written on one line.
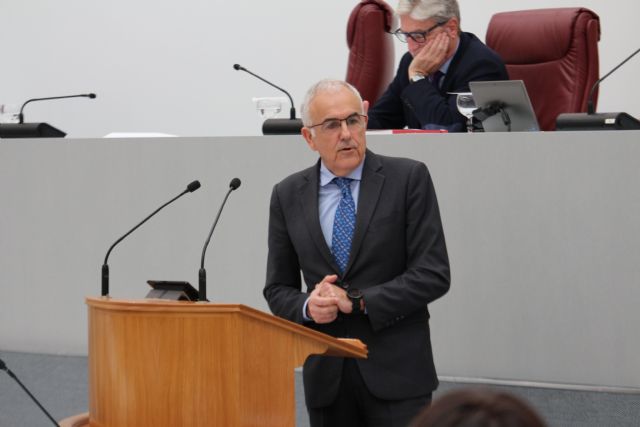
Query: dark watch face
[[354, 293]]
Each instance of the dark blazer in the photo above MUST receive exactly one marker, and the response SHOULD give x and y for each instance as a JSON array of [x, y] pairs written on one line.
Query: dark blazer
[[420, 105], [398, 259]]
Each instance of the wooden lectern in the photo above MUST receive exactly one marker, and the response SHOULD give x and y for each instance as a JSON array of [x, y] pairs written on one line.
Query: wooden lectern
[[165, 363]]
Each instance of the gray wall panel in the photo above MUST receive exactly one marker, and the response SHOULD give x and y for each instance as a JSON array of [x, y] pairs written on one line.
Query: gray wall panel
[[542, 230]]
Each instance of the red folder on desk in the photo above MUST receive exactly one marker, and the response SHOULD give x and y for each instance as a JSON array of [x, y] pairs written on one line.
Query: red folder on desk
[[405, 131]]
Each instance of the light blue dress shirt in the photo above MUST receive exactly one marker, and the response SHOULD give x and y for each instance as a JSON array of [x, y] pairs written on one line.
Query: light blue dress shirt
[[328, 199], [329, 196]]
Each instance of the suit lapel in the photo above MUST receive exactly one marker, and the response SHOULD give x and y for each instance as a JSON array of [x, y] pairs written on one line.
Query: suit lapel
[[451, 71], [370, 189], [308, 192]]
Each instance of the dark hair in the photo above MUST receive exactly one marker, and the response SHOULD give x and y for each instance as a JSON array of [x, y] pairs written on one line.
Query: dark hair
[[478, 408]]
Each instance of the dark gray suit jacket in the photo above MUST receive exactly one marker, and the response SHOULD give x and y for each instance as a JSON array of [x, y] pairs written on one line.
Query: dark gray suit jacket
[[398, 259]]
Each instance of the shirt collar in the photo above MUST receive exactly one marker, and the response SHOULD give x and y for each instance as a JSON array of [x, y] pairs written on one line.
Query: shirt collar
[[326, 176]]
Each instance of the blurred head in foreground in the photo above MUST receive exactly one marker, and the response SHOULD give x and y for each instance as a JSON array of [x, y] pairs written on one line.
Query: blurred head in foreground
[[478, 408]]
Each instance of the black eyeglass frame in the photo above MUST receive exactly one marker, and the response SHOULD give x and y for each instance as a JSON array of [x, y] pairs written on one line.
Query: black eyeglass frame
[[421, 35], [339, 120]]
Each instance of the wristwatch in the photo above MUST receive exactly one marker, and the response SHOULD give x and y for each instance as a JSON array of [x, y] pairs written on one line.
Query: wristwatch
[[417, 77], [355, 295]]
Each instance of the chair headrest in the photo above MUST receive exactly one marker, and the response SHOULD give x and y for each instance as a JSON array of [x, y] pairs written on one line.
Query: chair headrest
[[364, 8], [542, 34]]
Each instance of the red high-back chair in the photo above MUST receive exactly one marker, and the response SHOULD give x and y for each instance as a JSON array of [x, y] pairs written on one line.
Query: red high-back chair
[[555, 53], [371, 49]]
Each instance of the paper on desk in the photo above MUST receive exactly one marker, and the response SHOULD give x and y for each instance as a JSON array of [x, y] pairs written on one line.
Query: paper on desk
[[138, 135]]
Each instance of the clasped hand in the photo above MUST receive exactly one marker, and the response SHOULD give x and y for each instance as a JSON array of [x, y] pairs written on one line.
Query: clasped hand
[[327, 300]]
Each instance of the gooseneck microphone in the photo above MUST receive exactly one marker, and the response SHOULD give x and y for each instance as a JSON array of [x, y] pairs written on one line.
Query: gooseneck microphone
[[598, 121], [4, 367], [277, 126], [292, 111], [590, 107], [36, 130], [202, 273], [85, 95], [105, 267]]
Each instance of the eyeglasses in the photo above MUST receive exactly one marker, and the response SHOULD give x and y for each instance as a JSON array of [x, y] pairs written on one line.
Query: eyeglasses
[[355, 121], [416, 36]]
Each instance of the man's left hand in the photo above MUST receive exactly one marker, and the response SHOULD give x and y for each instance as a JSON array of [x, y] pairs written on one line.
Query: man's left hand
[[431, 57], [344, 303]]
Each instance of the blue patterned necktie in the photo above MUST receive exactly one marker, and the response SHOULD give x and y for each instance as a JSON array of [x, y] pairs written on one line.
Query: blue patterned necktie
[[343, 224], [435, 79]]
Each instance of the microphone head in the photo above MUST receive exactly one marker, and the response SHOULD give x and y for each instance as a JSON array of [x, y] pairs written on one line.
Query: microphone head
[[193, 186], [91, 95], [235, 183], [237, 67]]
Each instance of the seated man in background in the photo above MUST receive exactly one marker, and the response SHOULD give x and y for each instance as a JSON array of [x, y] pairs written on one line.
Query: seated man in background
[[441, 59]]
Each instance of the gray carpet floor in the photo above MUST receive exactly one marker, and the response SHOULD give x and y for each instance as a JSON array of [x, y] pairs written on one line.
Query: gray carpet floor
[[60, 384]]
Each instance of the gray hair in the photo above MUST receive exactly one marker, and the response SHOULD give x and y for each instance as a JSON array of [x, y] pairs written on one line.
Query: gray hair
[[420, 10], [326, 85]]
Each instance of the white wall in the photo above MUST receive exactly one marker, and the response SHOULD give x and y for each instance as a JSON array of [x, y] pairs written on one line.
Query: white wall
[[166, 66]]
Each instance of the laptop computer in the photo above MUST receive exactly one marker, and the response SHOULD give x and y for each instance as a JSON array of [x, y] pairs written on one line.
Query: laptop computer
[[512, 97]]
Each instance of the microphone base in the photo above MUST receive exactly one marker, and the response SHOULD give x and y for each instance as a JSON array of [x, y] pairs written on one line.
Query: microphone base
[[30, 130], [281, 127], [202, 285], [172, 290], [596, 121]]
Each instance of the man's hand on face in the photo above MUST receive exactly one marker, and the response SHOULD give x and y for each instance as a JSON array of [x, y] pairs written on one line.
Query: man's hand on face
[[432, 55]]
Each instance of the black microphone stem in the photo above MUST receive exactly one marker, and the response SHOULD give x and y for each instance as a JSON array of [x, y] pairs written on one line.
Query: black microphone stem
[[590, 109], [105, 267], [21, 116], [202, 273], [4, 367], [143, 221], [292, 111], [213, 227]]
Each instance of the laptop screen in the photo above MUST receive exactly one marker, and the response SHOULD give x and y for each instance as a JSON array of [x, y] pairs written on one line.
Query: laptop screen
[[511, 95]]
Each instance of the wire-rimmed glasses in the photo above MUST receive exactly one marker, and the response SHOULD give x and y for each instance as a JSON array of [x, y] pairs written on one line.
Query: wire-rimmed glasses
[[355, 121], [416, 36]]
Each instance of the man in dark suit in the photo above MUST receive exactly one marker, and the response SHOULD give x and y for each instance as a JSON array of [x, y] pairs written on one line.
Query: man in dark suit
[[441, 61], [365, 232]]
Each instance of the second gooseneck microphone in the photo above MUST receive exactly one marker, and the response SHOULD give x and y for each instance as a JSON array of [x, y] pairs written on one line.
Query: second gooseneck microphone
[[84, 95], [202, 273], [590, 104], [598, 121], [290, 126], [193, 186]]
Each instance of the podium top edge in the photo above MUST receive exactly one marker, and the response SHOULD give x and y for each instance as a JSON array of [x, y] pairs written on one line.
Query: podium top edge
[[150, 304], [352, 348]]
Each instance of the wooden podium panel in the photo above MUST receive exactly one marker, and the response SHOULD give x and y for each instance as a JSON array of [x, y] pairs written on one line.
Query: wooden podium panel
[[159, 363]]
